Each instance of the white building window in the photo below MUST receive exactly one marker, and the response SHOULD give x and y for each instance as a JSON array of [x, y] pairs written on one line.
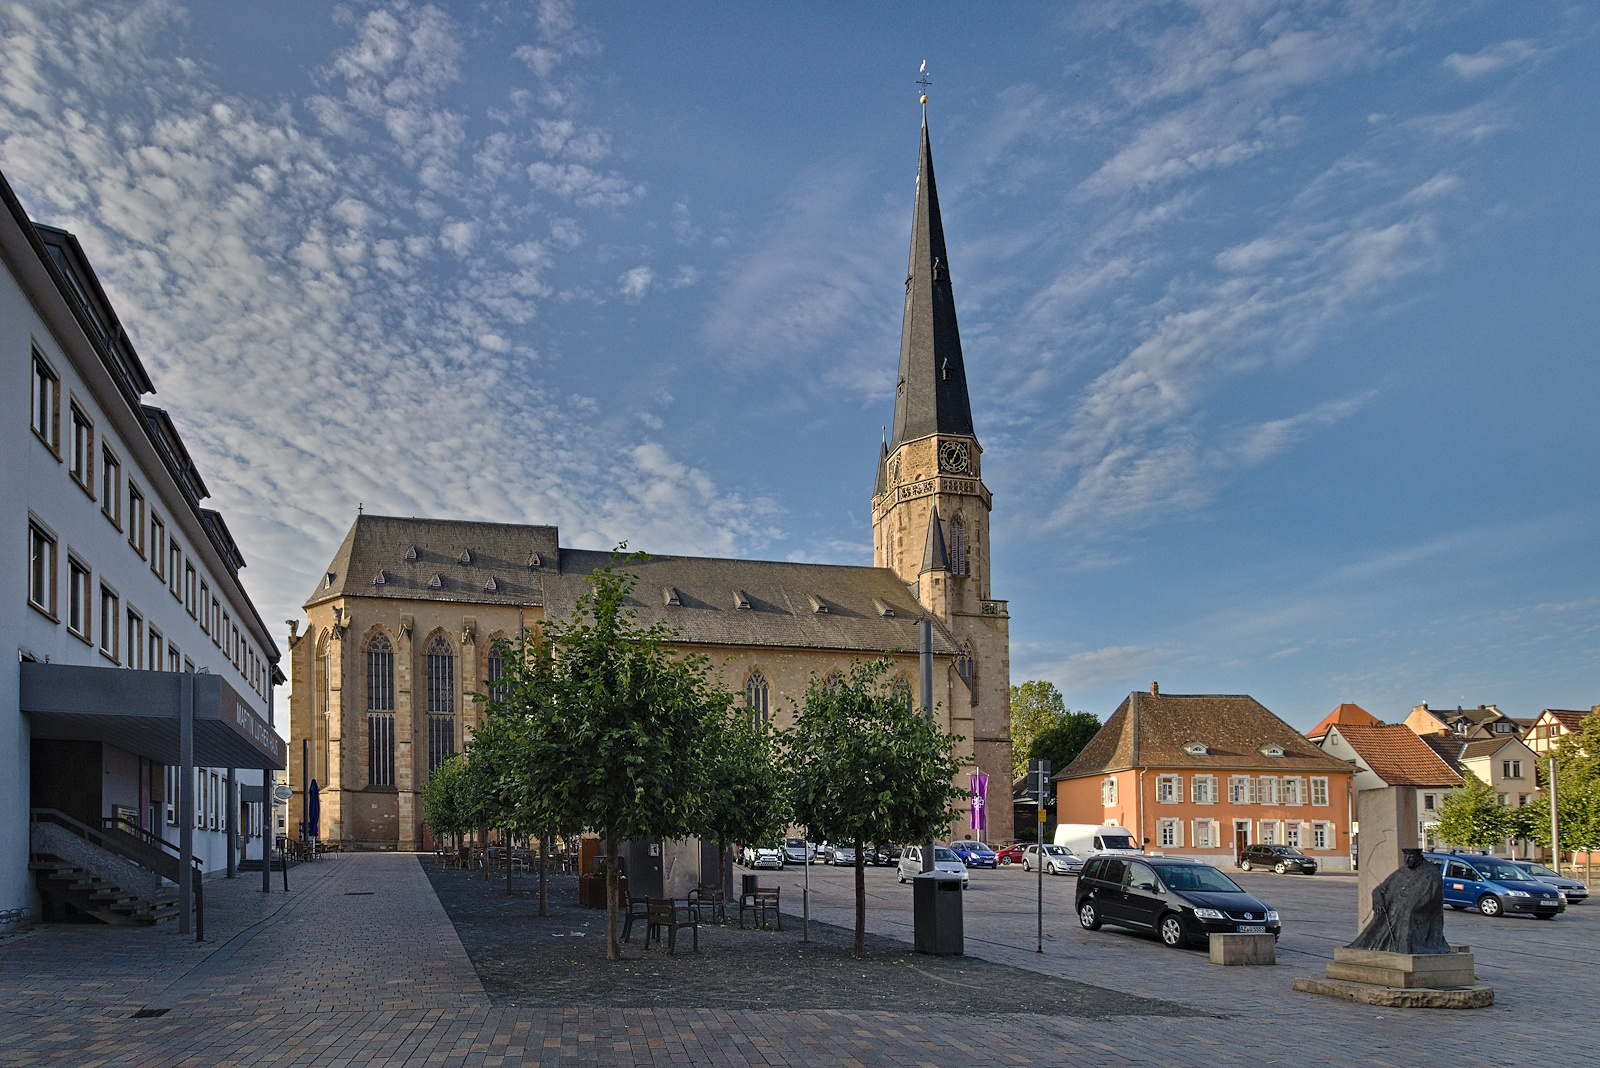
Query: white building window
[[78, 608], [1319, 790], [1205, 789], [46, 405], [80, 454], [1207, 834], [1169, 789], [110, 620], [1292, 834], [1269, 832], [1169, 833], [1319, 836], [1511, 769], [1292, 792], [111, 487], [1269, 790], [1429, 802], [1239, 789], [135, 639], [1108, 791], [42, 569]]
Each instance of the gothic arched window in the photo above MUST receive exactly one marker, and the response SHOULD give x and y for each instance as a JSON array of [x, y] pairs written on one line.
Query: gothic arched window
[[757, 696], [380, 712], [494, 671], [958, 547], [441, 701]]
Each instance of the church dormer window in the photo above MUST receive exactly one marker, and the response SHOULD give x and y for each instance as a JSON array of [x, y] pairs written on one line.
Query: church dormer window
[[958, 547]]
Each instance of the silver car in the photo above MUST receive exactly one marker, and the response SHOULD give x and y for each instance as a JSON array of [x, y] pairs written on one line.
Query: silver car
[[944, 860], [1058, 860]]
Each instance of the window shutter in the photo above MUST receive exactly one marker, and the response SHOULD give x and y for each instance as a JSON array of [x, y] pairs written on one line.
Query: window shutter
[[1255, 791]]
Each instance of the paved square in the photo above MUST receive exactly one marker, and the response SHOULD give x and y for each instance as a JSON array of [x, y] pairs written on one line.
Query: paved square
[[360, 965]]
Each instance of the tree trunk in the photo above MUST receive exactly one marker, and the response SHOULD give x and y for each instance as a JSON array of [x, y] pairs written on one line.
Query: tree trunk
[[508, 863], [722, 865], [613, 941], [544, 872], [861, 899]]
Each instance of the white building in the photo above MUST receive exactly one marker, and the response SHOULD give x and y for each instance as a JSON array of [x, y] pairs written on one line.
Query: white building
[[124, 605], [1392, 755]]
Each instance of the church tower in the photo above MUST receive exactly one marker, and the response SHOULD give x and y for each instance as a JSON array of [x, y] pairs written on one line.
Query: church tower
[[930, 508]]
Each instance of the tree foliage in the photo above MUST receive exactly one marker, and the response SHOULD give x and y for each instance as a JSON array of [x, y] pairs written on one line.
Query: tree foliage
[[1036, 706], [1062, 741], [745, 794], [866, 766], [1473, 816], [620, 739], [444, 802]]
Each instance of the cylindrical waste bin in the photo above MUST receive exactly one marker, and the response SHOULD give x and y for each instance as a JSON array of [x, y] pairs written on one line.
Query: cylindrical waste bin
[[747, 885], [936, 913]]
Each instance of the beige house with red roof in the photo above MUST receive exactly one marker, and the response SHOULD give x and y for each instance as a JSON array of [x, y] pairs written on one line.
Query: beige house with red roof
[[1346, 714], [1204, 775], [1392, 755]]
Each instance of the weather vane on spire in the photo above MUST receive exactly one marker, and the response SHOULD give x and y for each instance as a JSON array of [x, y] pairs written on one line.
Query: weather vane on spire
[[924, 81]]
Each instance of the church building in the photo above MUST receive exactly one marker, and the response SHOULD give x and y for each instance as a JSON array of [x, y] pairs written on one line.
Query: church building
[[401, 629]]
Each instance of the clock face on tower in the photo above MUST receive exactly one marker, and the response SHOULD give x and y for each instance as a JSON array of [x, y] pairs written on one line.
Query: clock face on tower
[[954, 456]]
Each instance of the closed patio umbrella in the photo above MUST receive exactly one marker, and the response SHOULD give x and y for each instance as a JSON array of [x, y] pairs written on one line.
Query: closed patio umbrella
[[314, 817]]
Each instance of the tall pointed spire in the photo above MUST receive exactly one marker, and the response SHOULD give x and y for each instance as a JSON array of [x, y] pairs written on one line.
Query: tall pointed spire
[[881, 486], [931, 395]]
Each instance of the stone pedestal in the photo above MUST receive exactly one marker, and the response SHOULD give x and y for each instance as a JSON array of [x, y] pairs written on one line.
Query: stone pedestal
[[1402, 980], [1233, 949], [1388, 828], [1404, 970]]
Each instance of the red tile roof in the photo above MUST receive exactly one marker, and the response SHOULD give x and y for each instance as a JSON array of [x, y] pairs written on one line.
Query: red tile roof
[[1568, 718], [1399, 757], [1345, 713]]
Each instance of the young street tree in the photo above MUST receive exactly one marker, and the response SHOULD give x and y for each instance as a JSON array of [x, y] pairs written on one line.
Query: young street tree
[[443, 800], [1577, 813], [869, 767], [1473, 816], [1036, 706], [623, 728], [1062, 741], [745, 796]]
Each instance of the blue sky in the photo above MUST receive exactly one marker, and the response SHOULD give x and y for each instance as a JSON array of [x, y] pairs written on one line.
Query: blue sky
[[1280, 319]]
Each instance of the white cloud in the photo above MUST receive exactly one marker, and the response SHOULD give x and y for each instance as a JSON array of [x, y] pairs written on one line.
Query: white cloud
[[582, 185], [1491, 59], [635, 283]]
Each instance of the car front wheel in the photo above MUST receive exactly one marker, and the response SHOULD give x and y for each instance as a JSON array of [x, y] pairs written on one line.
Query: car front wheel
[[1006, 862], [1088, 917], [1489, 905], [1172, 932], [1244, 865], [1280, 867]]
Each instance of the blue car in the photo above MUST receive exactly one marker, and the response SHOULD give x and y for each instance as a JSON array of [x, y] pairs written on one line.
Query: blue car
[[975, 854], [1495, 887]]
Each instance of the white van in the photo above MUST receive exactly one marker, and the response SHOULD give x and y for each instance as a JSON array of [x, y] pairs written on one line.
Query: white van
[[1089, 839]]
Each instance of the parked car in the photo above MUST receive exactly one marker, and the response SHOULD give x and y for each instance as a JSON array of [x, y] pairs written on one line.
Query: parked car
[[943, 860], [770, 857], [1279, 858], [1011, 854], [842, 854], [1494, 886], [1058, 860], [884, 856], [1576, 890], [798, 851], [974, 854], [1092, 839], [1178, 901]]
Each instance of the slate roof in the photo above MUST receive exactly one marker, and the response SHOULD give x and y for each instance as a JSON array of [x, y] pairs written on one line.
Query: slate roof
[[1345, 713], [812, 606], [931, 397], [809, 606], [411, 555], [1233, 727], [1398, 756]]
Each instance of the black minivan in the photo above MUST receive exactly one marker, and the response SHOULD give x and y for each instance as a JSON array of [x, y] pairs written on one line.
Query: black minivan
[[1178, 900]]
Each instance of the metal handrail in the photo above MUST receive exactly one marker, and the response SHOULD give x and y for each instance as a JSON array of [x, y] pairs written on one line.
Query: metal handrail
[[137, 849]]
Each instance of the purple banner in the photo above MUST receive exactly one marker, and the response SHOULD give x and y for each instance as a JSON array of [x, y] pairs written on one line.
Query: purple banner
[[980, 801]]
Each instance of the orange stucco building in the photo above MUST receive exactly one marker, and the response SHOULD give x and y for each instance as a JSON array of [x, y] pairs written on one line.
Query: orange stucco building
[[1203, 775]]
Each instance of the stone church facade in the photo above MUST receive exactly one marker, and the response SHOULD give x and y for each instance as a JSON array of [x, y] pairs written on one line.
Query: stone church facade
[[401, 629]]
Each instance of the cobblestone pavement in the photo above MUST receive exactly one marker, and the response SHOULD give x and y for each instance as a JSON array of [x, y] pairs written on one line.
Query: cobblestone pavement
[[361, 966]]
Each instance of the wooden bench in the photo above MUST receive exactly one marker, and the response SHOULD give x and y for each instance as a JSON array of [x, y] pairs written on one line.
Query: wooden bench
[[759, 901], [667, 915]]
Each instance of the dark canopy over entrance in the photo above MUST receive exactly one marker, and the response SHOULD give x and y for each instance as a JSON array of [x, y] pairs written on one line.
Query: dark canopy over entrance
[[140, 712]]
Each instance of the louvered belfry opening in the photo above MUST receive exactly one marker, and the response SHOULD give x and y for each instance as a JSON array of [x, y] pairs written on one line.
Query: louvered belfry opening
[[380, 712], [441, 702]]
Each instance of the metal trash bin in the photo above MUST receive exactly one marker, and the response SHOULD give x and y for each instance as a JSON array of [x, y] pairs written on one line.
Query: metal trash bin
[[747, 885], [936, 914]]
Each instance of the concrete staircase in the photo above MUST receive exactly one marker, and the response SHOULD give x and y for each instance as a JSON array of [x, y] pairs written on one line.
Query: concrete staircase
[[114, 874]]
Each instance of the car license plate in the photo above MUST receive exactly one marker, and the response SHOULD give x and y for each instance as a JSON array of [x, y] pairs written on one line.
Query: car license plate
[[1246, 929]]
